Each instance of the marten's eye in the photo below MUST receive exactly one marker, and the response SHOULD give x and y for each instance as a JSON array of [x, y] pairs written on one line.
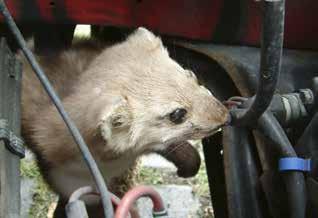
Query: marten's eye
[[178, 115]]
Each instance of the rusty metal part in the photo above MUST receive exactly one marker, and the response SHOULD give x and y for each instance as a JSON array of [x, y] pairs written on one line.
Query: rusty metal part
[[87, 156], [13, 143]]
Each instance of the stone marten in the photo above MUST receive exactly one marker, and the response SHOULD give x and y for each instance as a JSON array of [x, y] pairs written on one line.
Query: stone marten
[[127, 99]]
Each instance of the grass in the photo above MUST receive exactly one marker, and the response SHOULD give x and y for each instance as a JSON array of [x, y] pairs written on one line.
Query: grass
[[43, 197]]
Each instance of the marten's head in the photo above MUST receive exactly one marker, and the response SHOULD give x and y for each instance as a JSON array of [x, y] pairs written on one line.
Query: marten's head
[[157, 103]]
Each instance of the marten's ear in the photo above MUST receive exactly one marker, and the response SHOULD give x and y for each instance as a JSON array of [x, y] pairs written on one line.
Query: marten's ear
[[116, 117], [143, 38], [142, 32]]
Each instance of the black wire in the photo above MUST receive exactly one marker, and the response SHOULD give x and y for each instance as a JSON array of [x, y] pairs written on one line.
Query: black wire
[[271, 53], [269, 127], [99, 180]]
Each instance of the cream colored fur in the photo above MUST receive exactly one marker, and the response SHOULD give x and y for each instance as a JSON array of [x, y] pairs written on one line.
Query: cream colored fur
[[119, 97]]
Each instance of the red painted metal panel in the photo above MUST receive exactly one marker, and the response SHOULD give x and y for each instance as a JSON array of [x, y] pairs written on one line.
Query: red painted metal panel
[[301, 24], [192, 19], [12, 6], [187, 18], [45, 8]]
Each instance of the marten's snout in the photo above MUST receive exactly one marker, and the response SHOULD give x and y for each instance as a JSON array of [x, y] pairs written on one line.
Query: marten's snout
[[219, 113], [215, 115], [225, 114]]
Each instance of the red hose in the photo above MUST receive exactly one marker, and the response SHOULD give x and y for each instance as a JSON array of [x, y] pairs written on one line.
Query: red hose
[[133, 195]]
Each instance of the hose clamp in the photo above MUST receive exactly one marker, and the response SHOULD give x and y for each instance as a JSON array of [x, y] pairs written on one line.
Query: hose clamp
[[160, 214], [294, 164]]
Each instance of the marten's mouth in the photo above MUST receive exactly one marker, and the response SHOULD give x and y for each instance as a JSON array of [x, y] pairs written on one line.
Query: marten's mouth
[[202, 133], [184, 156]]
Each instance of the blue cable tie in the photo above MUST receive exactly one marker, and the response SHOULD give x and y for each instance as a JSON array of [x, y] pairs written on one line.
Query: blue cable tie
[[294, 164]]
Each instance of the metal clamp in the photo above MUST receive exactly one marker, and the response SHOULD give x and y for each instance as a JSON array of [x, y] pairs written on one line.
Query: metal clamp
[[161, 214], [13, 143], [294, 164]]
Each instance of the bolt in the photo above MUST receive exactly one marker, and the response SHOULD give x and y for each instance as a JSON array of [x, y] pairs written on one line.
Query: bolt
[[306, 96]]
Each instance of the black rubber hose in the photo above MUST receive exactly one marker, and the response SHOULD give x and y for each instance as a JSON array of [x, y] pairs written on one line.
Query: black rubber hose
[[271, 53], [309, 139], [241, 174], [269, 127], [99, 180]]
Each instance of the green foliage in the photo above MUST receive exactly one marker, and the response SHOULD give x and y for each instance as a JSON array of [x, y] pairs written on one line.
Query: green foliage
[[43, 197]]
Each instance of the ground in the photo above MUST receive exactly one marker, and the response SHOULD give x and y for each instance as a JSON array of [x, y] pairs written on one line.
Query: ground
[[39, 202]]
